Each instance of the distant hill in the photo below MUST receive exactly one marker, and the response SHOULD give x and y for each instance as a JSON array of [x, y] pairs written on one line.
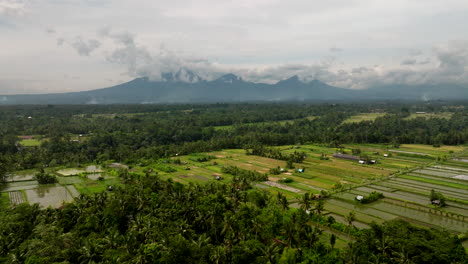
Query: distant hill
[[186, 87]]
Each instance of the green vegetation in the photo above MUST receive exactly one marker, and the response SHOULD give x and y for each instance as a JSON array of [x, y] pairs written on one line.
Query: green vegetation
[[30, 142], [437, 198], [372, 197], [45, 178], [363, 117], [399, 242], [183, 191]]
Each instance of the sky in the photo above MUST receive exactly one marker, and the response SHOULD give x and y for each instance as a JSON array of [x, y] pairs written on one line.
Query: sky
[[49, 46]]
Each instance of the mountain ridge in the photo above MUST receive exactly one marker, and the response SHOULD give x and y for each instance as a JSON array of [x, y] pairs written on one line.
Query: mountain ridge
[[184, 86]]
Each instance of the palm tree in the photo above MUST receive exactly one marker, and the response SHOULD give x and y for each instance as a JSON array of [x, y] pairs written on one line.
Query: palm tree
[[305, 202], [350, 218], [320, 206], [283, 201]]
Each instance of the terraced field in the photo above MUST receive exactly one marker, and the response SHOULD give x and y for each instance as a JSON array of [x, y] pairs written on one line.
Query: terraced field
[[46, 196], [405, 176]]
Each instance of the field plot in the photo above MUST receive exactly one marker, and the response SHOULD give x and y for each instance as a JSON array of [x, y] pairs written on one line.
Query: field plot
[[279, 122], [46, 196], [18, 186], [30, 142], [93, 169], [446, 115], [363, 117], [16, 197], [407, 197], [20, 177], [70, 172]]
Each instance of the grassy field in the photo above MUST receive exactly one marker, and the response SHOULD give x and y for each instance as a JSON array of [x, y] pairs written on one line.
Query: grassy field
[[30, 142], [363, 117], [281, 122], [446, 115]]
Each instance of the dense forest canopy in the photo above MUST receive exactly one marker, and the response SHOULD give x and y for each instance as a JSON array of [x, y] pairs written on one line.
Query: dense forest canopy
[[156, 221], [134, 132]]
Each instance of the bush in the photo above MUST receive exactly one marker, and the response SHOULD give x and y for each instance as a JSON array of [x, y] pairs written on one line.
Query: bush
[[286, 180], [44, 178], [373, 196], [275, 171]]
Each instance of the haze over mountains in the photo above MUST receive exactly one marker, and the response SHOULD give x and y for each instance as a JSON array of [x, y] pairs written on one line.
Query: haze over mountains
[[184, 86]]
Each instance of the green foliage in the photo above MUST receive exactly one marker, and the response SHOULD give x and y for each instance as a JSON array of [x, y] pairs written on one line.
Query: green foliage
[[249, 175], [397, 241], [286, 180], [437, 198], [263, 151], [356, 152], [152, 220], [372, 197], [164, 168], [275, 171], [323, 156], [45, 178], [203, 158]]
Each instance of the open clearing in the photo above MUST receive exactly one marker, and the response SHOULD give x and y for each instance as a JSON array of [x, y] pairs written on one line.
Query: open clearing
[[446, 115], [30, 142], [363, 117]]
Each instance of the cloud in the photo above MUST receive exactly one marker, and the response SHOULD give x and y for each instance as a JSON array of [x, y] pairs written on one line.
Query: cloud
[[335, 49], [50, 30], [60, 41], [12, 8], [83, 47], [415, 52], [451, 66], [139, 61], [409, 62]]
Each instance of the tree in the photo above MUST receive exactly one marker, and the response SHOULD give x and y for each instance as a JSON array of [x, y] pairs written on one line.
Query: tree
[[332, 240], [350, 218], [319, 206], [45, 178], [306, 202], [437, 198]]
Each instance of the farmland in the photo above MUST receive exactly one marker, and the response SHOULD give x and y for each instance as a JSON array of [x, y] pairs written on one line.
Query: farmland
[[446, 115], [364, 117], [405, 178], [21, 187]]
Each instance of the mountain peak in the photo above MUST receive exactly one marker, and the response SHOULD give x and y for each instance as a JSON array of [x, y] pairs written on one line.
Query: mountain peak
[[292, 80], [182, 75], [229, 78]]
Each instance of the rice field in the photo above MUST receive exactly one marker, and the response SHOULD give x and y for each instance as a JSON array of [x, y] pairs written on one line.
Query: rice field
[[363, 117], [53, 196], [405, 177], [70, 172]]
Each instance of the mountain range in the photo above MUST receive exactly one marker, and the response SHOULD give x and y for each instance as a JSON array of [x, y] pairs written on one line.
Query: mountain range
[[184, 86]]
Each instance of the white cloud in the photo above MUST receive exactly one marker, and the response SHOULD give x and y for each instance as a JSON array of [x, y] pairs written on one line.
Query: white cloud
[[262, 40], [11, 8]]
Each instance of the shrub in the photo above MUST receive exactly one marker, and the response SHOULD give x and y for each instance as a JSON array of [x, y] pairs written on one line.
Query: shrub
[[44, 178], [286, 180], [373, 196]]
